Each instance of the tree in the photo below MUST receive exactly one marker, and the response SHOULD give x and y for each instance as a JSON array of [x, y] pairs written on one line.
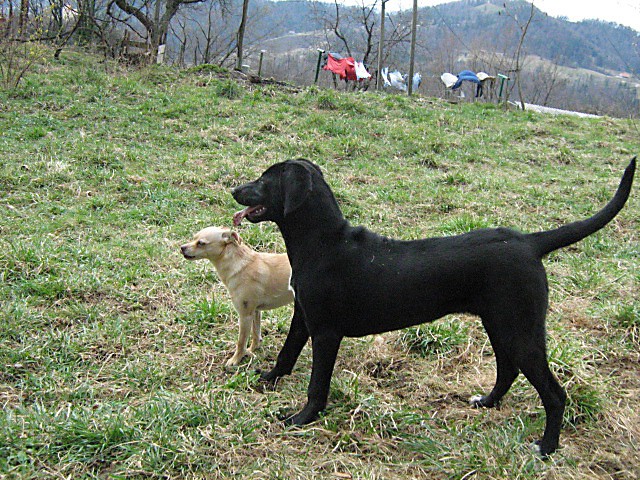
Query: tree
[[240, 35], [523, 27], [87, 31], [153, 16], [360, 18], [24, 15]]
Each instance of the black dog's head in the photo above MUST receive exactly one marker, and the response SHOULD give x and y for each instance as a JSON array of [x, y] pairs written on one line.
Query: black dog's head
[[281, 190]]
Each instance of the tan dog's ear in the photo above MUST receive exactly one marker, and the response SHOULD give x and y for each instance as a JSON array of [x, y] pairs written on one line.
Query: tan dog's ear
[[226, 236], [230, 236]]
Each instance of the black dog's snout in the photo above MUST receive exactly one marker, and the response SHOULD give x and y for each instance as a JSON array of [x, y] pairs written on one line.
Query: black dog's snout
[[235, 191], [245, 194]]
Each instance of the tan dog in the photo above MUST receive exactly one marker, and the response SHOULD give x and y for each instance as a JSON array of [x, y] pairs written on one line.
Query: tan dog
[[255, 281]]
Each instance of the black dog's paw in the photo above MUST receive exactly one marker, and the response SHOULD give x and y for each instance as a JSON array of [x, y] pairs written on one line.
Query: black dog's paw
[[268, 377], [264, 385], [543, 450], [303, 417], [291, 419], [482, 401]]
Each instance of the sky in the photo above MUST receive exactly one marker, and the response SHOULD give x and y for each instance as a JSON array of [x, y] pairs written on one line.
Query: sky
[[624, 12]]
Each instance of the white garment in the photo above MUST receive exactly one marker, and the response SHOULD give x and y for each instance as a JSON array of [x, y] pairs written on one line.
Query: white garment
[[448, 79], [417, 80], [397, 81], [361, 71], [482, 76], [385, 77]]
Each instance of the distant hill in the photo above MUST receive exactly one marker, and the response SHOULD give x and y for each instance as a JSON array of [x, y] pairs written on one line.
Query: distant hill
[[601, 46], [575, 65], [596, 45]]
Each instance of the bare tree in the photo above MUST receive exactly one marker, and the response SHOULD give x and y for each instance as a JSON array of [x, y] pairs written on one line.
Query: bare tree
[[217, 37], [181, 34], [523, 27], [24, 15], [345, 22], [240, 34], [548, 80], [153, 16], [354, 29], [207, 33]]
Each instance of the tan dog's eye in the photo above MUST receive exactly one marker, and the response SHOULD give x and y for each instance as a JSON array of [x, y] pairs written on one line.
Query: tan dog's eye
[[201, 243]]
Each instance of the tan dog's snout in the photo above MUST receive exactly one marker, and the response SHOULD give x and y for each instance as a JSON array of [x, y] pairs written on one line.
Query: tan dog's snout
[[209, 243], [188, 250]]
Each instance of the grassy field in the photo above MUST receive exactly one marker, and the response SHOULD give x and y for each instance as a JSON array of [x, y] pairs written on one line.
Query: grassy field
[[112, 345]]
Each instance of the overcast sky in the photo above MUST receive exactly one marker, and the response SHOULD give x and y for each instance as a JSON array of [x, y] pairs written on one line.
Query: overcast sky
[[624, 12]]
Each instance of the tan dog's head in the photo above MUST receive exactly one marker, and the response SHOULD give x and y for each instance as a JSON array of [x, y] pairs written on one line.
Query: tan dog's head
[[209, 243]]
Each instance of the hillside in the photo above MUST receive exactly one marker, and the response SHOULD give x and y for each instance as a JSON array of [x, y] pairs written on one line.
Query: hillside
[[600, 46], [472, 34], [112, 345]]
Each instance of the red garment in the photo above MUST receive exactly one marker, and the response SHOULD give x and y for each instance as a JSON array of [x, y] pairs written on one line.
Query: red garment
[[345, 67]]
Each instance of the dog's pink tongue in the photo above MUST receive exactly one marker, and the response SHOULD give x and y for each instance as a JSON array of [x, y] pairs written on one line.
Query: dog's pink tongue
[[238, 216]]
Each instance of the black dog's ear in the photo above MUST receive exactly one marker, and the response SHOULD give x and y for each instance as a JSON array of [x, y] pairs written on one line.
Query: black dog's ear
[[296, 186], [310, 165]]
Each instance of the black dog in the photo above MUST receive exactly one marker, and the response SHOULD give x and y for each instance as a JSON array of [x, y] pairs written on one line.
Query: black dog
[[350, 282]]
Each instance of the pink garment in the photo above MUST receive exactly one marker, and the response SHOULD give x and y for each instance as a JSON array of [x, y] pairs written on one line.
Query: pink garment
[[345, 67]]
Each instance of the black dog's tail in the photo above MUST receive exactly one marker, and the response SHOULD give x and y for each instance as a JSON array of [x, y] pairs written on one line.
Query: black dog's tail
[[551, 240]]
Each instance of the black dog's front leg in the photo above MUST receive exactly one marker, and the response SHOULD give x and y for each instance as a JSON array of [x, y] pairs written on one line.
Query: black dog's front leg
[[293, 345], [325, 350]]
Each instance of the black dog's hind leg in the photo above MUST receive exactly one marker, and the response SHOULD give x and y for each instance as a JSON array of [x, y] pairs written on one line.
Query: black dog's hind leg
[[325, 350], [506, 370], [525, 351], [537, 371], [293, 345]]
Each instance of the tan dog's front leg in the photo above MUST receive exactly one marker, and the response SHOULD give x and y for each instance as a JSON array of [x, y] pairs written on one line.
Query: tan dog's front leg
[[256, 335], [246, 322]]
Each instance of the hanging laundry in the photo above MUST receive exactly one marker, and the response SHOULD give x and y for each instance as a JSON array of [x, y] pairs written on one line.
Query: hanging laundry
[[482, 76], [448, 79], [454, 82], [344, 67], [466, 75], [385, 77], [417, 80], [361, 71], [398, 81]]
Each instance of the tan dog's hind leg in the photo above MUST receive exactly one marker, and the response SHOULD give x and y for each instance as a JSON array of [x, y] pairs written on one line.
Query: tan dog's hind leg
[[246, 323], [256, 336]]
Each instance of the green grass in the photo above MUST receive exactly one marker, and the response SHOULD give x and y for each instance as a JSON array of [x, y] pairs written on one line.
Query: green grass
[[112, 346]]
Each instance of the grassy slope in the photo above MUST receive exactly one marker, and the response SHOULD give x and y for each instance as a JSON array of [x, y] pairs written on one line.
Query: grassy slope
[[112, 345]]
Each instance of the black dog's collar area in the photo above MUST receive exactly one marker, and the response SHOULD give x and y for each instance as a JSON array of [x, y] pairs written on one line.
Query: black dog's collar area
[[252, 213]]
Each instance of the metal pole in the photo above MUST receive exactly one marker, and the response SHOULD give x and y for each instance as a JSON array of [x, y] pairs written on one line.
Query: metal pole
[[380, 43], [502, 79], [414, 26], [260, 63], [320, 52]]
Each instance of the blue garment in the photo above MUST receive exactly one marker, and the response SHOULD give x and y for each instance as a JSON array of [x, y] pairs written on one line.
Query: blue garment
[[469, 76]]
